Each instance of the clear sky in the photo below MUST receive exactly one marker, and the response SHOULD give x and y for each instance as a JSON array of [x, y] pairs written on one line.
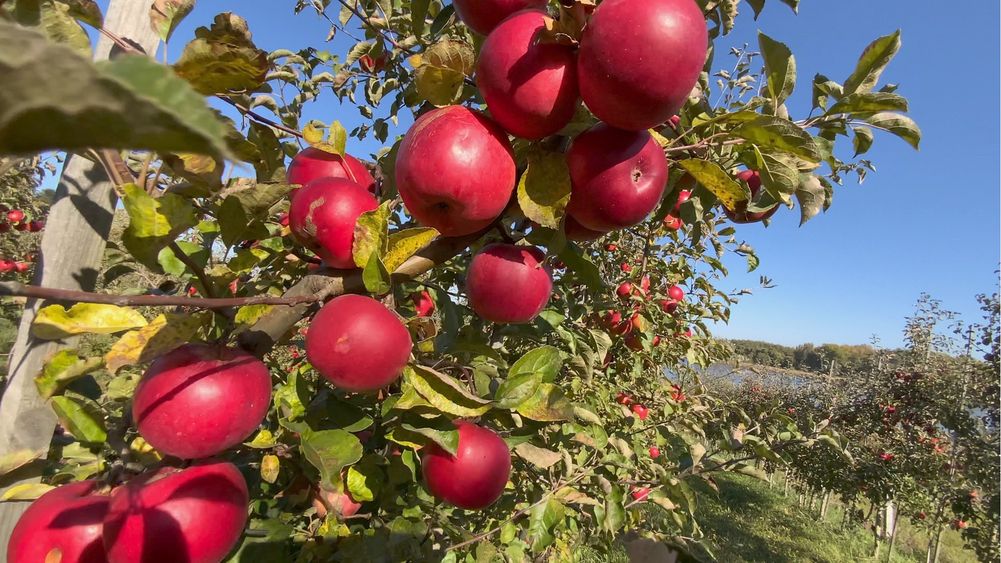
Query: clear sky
[[926, 221]]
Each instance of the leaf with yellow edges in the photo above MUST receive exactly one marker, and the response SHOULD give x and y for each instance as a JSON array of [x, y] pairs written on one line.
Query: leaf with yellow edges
[[55, 322], [165, 333], [716, 180]]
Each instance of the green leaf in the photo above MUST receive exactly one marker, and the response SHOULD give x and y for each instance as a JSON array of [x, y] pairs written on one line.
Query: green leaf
[[780, 68], [223, 58], [418, 16], [365, 480], [86, 11], [57, 19], [330, 451], [862, 141], [403, 244], [581, 266], [81, 417], [62, 369], [824, 88], [371, 234], [810, 195], [173, 266], [779, 134], [542, 521], [779, 174], [55, 322], [154, 222], [515, 390], [867, 102], [130, 102], [548, 404], [612, 515], [441, 431], [545, 361], [871, 64], [163, 334], [165, 15], [717, 181], [544, 188], [900, 125], [442, 19], [375, 276], [445, 392], [440, 72], [237, 223]]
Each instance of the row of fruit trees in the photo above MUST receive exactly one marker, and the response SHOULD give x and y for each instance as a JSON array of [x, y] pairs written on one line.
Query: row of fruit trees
[[452, 351]]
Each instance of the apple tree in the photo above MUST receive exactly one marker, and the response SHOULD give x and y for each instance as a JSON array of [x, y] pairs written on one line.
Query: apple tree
[[482, 342]]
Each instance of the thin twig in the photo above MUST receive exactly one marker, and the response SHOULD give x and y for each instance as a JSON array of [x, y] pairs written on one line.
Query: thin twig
[[15, 289], [260, 118], [207, 284]]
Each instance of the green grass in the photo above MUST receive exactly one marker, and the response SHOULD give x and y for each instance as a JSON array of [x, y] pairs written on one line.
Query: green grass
[[748, 522]]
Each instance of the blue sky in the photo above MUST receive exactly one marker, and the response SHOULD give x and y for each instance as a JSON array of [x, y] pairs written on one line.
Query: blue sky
[[926, 221]]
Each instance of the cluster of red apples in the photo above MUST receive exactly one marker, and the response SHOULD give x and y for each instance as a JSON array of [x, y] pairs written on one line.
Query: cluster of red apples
[[635, 65], [16, 219]]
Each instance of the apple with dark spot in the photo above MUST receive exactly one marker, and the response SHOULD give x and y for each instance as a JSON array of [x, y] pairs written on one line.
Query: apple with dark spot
[[67, 520], [323, 217]]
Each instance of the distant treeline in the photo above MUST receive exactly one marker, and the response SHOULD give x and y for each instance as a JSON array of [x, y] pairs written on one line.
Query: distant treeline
[[806, 357]]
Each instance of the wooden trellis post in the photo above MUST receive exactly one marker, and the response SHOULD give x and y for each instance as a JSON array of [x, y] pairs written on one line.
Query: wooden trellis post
[[70, 258]]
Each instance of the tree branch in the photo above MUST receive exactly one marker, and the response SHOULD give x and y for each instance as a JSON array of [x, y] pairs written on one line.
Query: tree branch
[[15, 289], [277, 322]]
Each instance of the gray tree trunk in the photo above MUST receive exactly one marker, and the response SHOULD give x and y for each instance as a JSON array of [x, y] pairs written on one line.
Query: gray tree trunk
[[70, 258]]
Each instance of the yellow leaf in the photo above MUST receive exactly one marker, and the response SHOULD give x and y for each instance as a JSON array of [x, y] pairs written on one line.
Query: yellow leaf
[[312, 134], [17, 459], [269, 468], [661, 140], [405, 243], [25, 491], [441, 71], [716, 180], [250, 314], [544, 188], [165, 333], [55, 322]]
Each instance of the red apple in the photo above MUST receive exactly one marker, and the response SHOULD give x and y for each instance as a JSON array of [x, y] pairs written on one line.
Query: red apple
[[313, 164], [886, 456], [193, 514], [624, 290], [67, 520], [654, 452], [370, 64], [455, 170], [656, 340], [922, 515], [669, 306], [21, 227], [639, 60], [672, 223], [634, 341], [508, 283], [482, 16], [21, 267], [199, 400], [423, 304], [15, 216], [357, 343], [36, 226], [323, 216], [473, 478], [674, 121], [530, 86], [740, 214], [641, 411], [623, 399], [626, 267], [283, 220], [339, 501], [644, 284], [192, 291], [4, 227], [676, 292], [611, 247], [577, 232], [617, 177], [639, 494], [6, 266], [683, 196]]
